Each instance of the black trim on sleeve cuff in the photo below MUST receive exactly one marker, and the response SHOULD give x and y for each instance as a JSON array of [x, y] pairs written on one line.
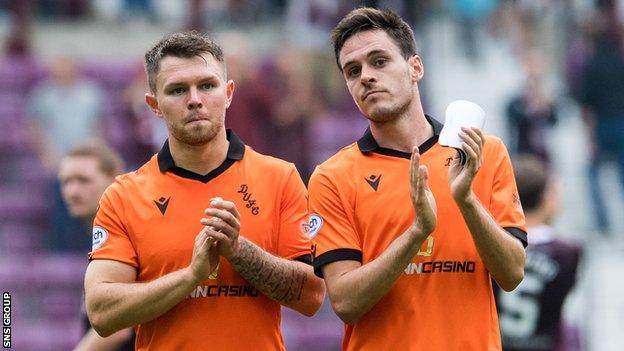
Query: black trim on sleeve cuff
[[518, 234], [307, 259], [333, 256]]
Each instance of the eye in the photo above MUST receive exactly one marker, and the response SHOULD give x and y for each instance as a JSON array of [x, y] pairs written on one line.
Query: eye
[[379, 62], [177, 91], [353, 71], [207, 86]]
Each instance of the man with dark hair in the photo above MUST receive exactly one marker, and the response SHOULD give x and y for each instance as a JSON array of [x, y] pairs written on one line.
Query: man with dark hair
[[84, 173], [223, 288], [407, 237], [530, 316]]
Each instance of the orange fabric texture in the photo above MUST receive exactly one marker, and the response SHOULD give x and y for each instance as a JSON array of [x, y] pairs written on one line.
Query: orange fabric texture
[[443, 300], [225, 313]]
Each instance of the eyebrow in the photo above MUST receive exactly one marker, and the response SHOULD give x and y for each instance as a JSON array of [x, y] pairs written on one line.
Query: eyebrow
[[372, 53], [181, 84]]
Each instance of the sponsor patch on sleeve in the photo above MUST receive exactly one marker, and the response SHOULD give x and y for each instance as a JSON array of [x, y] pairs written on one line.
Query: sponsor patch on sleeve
[[99, 237], [314, 224]]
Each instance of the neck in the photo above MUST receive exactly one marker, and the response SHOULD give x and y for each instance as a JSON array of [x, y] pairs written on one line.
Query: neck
[[200, 159], [405, 132]]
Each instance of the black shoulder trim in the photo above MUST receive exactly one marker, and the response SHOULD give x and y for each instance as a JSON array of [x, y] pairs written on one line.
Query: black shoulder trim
[[519, 234], [333, 256], [307, 259]]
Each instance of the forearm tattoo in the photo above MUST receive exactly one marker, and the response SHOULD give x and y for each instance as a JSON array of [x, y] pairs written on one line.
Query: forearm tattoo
[[278, 278]]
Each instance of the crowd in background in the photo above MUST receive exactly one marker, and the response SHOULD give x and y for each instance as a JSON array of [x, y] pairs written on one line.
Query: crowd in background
[[290, 101]]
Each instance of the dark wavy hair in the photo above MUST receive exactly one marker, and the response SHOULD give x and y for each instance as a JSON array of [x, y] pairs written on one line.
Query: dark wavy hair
[[366, 18]]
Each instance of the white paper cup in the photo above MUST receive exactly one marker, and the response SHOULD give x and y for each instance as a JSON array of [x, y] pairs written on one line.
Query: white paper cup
[[460, 113]]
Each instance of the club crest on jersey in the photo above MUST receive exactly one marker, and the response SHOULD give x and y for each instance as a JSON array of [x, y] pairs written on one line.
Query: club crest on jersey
[[99, 237], [314, 224], [252, 205]]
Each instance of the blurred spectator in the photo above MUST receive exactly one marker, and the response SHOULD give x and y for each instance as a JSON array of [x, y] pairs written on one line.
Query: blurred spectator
[[251, 106], [601, 94], [308, 23], [530, 316], [529, 22], [295, 100], [72, 9], [138, 9], [84, 173], [577, 55], [472, 15], [65, 110], [532, 113], [146, 134], [18, 40], [334, 129]]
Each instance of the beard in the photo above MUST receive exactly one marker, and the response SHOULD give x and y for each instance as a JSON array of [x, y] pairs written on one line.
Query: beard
[[196, 134], [381, 114]]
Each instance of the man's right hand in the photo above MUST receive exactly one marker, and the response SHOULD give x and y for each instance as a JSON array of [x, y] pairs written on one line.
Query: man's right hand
[[205, 256], [422, 197]]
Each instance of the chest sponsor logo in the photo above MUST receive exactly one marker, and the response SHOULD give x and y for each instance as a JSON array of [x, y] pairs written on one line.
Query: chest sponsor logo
[[440, 267], [224, 291], [373, 181], [162, 204], [251, 203], [100, 235], [314, 224]]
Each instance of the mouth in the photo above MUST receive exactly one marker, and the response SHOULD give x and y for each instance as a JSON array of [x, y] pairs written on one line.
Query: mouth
[[371, 92], [195, 118]]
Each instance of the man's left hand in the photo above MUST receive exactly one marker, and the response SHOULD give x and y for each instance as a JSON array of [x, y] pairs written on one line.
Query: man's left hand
[[461, 176]]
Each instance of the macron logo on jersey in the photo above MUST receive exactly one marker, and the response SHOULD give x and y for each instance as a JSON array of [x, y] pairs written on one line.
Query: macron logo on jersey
[[99, 237], [162, 204], [373, 181]]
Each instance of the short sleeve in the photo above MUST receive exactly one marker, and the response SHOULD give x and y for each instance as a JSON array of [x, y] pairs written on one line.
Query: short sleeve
[[110, 237], [294, 242], [331, 228], [505, 205]]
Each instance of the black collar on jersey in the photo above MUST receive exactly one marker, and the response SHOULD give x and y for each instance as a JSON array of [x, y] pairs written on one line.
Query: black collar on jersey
[[235, 152], [368, 144]]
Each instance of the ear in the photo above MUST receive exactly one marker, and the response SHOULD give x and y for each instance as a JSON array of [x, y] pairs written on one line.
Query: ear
[[229, 92], [417, 70], [151, 101]]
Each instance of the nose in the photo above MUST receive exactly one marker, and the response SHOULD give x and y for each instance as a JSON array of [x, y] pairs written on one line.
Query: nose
[[194, 101], [367, 75], [71, 190]]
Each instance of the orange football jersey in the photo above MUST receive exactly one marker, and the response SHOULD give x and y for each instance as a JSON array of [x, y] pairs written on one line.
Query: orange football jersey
[[360, 202], [149, 219]]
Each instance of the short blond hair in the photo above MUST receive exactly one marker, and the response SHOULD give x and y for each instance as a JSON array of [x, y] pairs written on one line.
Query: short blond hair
[[110, 161]]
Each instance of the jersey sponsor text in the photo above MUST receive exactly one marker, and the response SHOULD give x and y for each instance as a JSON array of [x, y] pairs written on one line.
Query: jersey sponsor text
[[224, 290], [440, 267]]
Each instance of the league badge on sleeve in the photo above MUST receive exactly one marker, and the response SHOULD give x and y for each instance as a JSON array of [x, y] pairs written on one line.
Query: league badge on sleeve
[[315, 223], [99, 237]]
